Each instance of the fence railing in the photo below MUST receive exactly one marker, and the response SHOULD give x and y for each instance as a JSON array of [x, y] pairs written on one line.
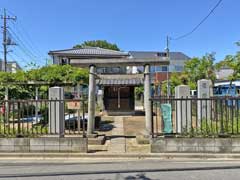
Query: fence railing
[[216, 116], [30, 118]]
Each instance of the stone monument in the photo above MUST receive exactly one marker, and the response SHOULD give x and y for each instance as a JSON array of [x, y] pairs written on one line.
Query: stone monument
[[204, 92], [182, 109]]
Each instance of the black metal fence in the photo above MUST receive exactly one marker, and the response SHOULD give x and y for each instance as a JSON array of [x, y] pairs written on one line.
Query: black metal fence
[[193, 117], [30, 118]]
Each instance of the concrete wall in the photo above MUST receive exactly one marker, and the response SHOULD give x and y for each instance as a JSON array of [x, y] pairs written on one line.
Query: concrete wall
[[44, 144], [196, 145]]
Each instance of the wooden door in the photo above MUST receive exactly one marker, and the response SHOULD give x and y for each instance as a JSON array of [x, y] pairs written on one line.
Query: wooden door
[[117, 98]]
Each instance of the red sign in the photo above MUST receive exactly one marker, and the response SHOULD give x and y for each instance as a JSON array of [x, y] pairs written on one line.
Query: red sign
[[73, 105]]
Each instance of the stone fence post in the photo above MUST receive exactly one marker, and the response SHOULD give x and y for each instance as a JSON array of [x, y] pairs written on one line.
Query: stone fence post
[[56, 111]]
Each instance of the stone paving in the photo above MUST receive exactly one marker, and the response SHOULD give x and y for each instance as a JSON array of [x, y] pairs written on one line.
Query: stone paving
[[118, 141], [121, 138]]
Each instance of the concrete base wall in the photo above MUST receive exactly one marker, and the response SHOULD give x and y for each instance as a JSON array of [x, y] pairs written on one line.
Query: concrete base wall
[[195, 145], [44, 144]]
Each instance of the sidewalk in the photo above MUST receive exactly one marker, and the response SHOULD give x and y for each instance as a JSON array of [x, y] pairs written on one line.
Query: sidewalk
[[130, 156]]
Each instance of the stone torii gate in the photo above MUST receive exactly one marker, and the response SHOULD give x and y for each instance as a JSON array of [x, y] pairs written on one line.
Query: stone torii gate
[[94, 58], [92, 99]]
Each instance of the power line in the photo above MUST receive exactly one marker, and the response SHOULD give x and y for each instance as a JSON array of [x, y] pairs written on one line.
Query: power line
[[23, 62], [18, 39], [24, 42], [198, 25], [24, 35], [11, 56], [19, 57], [27, 42], [22, 46]]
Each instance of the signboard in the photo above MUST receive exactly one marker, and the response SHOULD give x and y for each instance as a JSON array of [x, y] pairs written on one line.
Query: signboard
[[73, 105], [166, 110]]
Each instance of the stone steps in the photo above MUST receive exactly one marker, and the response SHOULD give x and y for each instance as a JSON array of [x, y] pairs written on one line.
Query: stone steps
[[117, 145], [100, 140], [97, 148], [117, 141], [133, 147]]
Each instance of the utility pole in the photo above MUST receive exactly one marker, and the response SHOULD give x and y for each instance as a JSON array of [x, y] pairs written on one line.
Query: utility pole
[[168, 57], [6, 41]]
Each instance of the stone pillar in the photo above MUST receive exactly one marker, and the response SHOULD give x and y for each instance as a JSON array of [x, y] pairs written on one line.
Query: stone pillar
[[100, 98], [78, 91], [36, 105], [147, 96], [91, 100], [56, 111], [204, 90], [6, 98], [81, 91], [183, 109]]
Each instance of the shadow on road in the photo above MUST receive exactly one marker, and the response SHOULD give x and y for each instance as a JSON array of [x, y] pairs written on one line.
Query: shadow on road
[[138, 176]]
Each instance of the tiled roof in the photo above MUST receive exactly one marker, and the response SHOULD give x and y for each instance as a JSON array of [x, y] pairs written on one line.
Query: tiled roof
[[89, 51], [131, 79], [96, 51], [155, 54], [119, 82]]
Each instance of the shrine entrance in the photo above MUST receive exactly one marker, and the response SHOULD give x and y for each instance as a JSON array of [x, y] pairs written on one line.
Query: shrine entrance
[[114, 72], [119, 98]]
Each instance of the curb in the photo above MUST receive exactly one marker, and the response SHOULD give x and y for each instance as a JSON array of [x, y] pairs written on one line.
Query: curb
[[117, 156]]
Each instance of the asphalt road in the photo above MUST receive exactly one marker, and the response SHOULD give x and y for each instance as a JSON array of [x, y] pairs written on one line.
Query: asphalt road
[[120, 169]]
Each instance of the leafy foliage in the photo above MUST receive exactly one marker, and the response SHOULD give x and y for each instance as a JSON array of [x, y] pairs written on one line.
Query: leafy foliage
[[139, 91], [55, 73], [194, 69], [233, 62], [98, 43], [200, 68], [51, 74]]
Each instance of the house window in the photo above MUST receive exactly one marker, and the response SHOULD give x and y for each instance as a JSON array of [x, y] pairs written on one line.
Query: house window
[[64, 61], [152, 69], [140, 69], [115, 70], [161, 54], [100, 70], [158, 68], [178, 68], [164, 68], [111, 70]]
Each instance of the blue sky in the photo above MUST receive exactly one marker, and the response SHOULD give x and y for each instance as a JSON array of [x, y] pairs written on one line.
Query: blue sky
[[131, 24]]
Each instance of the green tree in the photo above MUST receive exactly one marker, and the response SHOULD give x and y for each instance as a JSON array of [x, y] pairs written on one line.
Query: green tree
[[98, 43], [52, 74], [194, 70], [56, 73], [233, 62], [139, 91], [200, 68], [175, 80]]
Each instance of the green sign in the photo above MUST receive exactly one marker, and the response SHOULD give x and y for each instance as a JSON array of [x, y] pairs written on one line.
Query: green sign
[[166, 110]]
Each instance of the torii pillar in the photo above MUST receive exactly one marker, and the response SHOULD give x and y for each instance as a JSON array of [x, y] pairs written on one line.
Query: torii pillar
[[91, 100], [147, 103]]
